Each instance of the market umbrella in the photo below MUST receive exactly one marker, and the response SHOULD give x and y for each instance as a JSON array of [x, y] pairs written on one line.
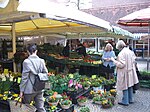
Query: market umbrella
[[139, 18]]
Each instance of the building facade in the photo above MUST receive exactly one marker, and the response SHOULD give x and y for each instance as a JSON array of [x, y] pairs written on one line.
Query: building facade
[[112, 10]]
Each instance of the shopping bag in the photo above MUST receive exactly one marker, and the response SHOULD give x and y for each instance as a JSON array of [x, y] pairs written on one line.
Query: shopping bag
[[136, 86], [16, 106]]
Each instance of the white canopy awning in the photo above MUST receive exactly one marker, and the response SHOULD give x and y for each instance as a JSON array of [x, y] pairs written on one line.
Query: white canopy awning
[[42, 17]]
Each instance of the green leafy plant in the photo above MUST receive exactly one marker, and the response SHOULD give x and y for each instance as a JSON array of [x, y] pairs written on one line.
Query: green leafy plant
[[84, 109], [65, 102], [82, 99], [97, 98]]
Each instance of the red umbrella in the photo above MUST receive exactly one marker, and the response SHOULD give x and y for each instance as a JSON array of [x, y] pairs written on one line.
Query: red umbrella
[[139, 18]]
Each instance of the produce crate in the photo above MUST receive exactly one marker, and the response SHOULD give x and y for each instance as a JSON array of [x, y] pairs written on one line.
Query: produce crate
[[75, 96]]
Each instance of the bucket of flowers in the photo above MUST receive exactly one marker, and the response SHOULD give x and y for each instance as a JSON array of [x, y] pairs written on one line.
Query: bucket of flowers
[[82, 100]]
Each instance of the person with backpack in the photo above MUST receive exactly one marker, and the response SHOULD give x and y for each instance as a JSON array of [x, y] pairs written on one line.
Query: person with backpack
[[31, 67]]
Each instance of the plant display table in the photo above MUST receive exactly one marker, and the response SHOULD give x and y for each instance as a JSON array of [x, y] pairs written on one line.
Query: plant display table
[[75, 95]]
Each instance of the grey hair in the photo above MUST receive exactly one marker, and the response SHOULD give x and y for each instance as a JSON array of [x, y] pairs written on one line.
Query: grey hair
[[120, 44]]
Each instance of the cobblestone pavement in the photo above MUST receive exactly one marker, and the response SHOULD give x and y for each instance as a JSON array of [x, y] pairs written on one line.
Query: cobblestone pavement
[[141, 103]]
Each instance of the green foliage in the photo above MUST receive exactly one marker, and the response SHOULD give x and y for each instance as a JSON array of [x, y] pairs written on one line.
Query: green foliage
[[84, 109], [145, 73], [66, 102], [97, 98]]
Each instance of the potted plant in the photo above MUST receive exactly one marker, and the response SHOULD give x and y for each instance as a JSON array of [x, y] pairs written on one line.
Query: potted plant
[[86, 85], [91, 94], [53, 100], [65, 104], [97, 99], [82, 100], [106, 103], [84, 109], [113, 92]]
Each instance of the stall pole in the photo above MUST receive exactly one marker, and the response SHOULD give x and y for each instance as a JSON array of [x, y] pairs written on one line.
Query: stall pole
[[14, 44]]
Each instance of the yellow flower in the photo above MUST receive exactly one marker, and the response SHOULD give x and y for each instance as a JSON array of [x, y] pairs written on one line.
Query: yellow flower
[[15, 95], [112, 90], [104, 101], [92, 92], [1, 95], [6, 92], [31, 103], [5, 98], [53, 107]]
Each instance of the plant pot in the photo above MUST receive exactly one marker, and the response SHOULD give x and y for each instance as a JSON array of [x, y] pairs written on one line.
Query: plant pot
[[86, 88], [82, 103], [65, 106], [97, 102], [113, 94], [106, 106], [53, 103]]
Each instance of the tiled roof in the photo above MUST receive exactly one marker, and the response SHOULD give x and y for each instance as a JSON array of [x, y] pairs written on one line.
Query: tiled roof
[[112, 14]]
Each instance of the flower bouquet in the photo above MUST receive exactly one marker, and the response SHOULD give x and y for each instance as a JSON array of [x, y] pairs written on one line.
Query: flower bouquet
[[82, 100]]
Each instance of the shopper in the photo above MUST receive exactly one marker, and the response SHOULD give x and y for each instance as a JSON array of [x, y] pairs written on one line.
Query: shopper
[[81, 50], [37, 65], [108, 65], [65, 51], [126, 73]]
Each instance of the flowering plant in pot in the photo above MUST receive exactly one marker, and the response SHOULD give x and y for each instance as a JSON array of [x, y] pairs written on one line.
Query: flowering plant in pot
[[86, 84], [53, 100], [113, 92], [97, 99], [91, 94], [106, 103], [82, 100], [73, 85], [65, 102]]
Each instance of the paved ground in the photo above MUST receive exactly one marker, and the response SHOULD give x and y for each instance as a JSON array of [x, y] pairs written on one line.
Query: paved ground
[[141, 103], [141, 98]]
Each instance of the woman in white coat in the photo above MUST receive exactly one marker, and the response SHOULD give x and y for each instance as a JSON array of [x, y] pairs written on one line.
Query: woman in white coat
[[126, 72]]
